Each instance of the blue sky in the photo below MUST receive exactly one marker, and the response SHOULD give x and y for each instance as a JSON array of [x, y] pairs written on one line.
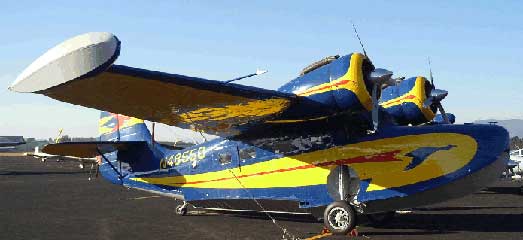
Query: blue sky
[[475, 47]]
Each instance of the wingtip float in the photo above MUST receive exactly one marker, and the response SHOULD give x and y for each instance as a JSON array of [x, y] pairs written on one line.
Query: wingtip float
[[321, 141], [72, 59]]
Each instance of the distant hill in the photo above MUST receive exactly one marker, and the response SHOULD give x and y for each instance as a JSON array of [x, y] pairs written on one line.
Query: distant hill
[[514, 126]]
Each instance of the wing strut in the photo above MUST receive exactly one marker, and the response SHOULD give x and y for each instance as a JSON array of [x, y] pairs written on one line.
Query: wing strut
[[120, 176]]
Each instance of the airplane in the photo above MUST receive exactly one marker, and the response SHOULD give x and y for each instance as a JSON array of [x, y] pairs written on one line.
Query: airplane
[[45, 156], [326, 143], [11, 141], [516, 162]]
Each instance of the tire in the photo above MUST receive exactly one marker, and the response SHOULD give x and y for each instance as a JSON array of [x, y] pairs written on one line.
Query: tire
[[339, 218], [381, 219], [181, 210]]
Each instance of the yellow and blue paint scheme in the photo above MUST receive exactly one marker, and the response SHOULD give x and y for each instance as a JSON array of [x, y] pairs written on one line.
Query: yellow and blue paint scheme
[[394, 164], [404, 102], [341, 85], [296, 136], [275, 145]]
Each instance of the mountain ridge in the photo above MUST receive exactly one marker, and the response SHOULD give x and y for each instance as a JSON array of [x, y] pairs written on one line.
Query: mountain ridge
[[514, 126]]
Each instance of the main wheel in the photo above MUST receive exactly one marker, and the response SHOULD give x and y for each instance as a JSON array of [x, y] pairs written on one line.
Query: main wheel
[[339, 218], [380, 219], [181, 210]]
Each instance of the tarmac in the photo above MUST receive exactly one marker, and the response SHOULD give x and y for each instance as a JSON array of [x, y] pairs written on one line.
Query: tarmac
[[55, 200]]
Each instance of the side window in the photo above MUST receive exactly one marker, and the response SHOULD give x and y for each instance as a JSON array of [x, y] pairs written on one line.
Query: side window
[[225, 158], [247, 153]]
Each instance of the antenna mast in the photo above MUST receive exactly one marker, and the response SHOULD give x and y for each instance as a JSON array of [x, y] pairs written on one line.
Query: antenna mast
[[359, 39], [430, 73]]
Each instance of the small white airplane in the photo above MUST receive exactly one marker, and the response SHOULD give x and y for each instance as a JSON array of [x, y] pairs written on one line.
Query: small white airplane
[[44, 156], [516, 163]]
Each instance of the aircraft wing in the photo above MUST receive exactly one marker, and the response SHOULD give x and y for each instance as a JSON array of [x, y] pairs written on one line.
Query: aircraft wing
[[80, 71], [87, 149]]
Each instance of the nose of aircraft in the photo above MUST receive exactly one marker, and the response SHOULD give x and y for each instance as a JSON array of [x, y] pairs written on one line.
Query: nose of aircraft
[[493, 144]]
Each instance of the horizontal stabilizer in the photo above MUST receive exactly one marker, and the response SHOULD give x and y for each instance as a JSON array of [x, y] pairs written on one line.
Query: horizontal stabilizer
[[88, 149]]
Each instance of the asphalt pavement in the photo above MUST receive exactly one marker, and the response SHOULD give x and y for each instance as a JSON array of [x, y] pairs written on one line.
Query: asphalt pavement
[[55, 200]]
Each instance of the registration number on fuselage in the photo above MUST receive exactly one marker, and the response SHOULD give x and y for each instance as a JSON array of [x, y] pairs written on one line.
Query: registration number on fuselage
[[193, 155]]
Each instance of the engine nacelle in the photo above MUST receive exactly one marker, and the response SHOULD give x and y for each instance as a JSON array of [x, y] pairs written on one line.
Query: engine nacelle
[[342, 84], [405, 101]]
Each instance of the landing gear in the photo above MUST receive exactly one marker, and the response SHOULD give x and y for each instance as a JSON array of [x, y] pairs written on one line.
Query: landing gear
[[380, 219], [181, 209], [339, 217]]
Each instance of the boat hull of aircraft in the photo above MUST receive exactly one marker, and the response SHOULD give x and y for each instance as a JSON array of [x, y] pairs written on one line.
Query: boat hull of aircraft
[[399, 167]]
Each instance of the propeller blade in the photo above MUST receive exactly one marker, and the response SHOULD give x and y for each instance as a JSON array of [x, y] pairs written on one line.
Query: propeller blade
[[431, 77], [442, 111]]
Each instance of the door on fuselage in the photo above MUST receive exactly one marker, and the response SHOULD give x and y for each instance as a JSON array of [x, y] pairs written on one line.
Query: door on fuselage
[[236, 155], [227, 157]]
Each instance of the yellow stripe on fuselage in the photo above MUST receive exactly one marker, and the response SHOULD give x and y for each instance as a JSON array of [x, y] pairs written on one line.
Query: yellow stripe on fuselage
[[313, 168], [416, 95]]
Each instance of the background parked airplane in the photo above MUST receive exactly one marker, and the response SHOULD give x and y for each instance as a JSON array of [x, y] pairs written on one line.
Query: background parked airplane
[[11, 141], [516, 162], [44, 156]]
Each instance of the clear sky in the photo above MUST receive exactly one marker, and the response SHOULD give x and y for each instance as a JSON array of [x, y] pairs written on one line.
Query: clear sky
[[476, 47]]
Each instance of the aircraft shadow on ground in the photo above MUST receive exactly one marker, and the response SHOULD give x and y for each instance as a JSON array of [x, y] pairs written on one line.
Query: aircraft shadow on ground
[[31, 173], [459, 222], [402, 233], [502, 190], [423, 223], [462, 208], [261, 215]]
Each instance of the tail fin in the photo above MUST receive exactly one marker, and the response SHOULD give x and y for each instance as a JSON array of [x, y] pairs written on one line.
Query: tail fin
[[117, 127], [127, 133]]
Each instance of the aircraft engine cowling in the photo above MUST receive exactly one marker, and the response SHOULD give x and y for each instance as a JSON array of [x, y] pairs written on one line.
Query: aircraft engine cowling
[[343, 84], [405, 101]]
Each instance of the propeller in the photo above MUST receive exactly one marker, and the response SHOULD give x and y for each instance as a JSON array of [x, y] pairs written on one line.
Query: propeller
[[378, 78], [435, 97]]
